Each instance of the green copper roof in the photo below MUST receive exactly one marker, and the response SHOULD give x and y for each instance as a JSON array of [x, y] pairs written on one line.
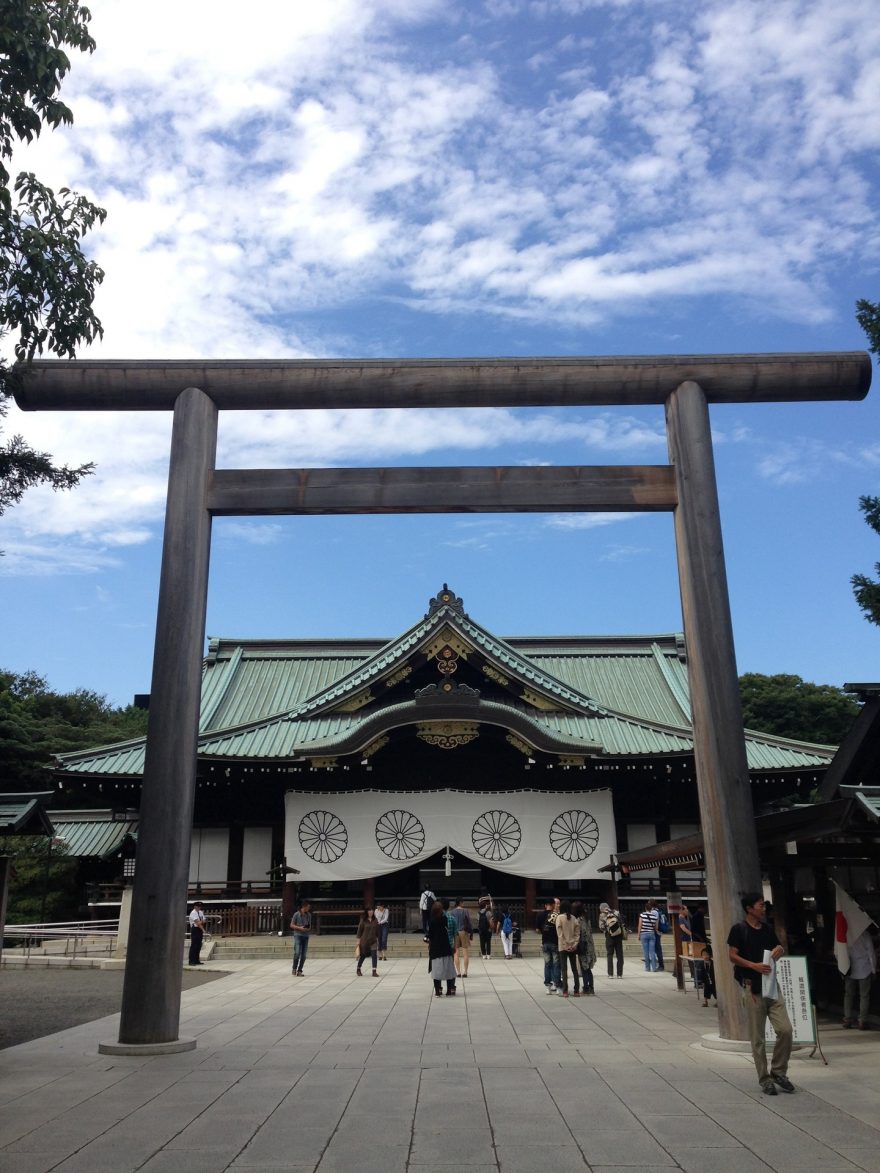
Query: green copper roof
[[620, 696]]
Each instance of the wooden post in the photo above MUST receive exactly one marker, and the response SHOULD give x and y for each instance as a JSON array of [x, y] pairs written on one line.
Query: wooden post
[[731, 846], [154, 968], [531, 900]]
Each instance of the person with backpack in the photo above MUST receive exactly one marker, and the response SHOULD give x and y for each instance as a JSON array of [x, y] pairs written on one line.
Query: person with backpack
[[507, 934], [426, 900], [611, 924]]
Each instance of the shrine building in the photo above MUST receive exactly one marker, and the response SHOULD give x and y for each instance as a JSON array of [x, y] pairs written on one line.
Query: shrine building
[[446, 757]]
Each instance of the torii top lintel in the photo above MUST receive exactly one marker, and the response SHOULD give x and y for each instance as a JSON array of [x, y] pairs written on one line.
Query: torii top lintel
[[264, 384]]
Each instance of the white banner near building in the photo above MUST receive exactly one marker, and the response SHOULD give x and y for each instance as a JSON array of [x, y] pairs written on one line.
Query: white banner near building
[[351, 835]]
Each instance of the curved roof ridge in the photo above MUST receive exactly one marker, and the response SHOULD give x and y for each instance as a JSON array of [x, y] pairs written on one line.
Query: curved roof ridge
[[397, 649]]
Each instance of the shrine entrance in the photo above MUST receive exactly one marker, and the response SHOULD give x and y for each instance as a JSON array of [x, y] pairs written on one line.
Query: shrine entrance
[[197, 491]]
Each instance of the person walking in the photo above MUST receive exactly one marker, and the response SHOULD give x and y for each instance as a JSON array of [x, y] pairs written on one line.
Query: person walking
[[753, 947], [440, 963], [464, 934], [648, 920], [586, 946], [196, 932], [568, 930], [484, 928], [611, 924], [301, 923], [367, 941], [382, 922], [426, 899]]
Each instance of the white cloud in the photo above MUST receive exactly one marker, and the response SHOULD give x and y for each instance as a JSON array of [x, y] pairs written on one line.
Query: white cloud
[[265, 174], [571, 521]]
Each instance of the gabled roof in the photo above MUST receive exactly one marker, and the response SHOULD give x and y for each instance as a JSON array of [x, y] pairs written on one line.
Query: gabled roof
[[25, 814], [93, 832], [275, 701]]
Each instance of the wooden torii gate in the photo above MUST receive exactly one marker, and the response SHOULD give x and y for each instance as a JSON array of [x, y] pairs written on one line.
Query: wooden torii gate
[[197, 491]]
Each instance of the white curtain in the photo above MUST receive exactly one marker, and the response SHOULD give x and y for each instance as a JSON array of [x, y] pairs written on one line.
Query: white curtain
[[359, 833]]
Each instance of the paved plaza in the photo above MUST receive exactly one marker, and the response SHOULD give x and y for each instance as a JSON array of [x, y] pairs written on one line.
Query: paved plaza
[[335, 1073]]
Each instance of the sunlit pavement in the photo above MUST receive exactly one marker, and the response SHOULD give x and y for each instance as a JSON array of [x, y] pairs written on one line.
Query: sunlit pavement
[[336, 1072]]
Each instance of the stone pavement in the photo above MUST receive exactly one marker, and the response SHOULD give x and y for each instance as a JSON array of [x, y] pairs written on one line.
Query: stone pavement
[[331, 1072]]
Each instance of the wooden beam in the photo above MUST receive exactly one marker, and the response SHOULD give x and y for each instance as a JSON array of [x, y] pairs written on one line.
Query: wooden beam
[[629, 488], [148, 385]]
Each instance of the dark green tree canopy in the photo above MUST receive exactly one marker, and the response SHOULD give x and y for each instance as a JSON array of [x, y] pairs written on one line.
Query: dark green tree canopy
[[47, 284], [36, 723], [788, 706]]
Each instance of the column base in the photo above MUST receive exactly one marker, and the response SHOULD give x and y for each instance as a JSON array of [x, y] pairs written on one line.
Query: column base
[[173, 1047]]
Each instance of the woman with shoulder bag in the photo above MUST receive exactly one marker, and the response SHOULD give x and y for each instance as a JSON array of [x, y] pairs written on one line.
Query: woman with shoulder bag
[[368, 941]]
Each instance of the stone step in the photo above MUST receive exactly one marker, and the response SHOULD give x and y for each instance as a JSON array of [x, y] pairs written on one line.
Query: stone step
[[342, 945]]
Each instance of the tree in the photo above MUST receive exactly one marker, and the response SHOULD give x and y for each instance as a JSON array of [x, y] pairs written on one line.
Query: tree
[[788, 706], [42, 886], [47, 285], [37, 723], [865, 589]]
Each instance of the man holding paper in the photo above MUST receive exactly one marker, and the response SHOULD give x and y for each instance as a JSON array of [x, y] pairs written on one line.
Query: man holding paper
[[754, 949]]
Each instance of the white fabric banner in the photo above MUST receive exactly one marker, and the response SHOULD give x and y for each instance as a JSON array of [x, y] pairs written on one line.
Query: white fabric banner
[[351, 835]]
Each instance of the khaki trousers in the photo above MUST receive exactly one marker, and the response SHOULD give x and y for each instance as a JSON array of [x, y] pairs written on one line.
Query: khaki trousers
[[759, 1011]]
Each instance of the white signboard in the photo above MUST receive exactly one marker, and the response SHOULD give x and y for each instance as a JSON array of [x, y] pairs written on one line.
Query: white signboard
[[794, 989], [353, 834]]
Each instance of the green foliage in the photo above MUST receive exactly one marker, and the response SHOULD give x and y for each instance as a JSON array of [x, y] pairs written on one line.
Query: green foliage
[[865, 589], [42, 886], [36, 723], [47, 285], [868, 317], [788, 706]]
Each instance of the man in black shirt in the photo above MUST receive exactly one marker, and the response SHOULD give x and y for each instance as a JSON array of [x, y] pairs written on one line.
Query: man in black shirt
[[546, 926], [748, 942]]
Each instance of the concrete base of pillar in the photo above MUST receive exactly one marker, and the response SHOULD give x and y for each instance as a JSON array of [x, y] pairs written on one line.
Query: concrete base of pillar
[[171, 1048]]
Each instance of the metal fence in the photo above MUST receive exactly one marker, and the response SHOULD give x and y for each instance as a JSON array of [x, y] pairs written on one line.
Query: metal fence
[[68, 939]]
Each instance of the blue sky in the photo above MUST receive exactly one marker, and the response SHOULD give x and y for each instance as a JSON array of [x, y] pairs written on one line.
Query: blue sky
[[506, 177]]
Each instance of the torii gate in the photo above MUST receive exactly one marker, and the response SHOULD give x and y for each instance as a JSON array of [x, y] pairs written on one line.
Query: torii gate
[[197, 491]]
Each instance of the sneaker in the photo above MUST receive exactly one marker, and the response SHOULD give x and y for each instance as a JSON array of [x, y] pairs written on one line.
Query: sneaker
[[768, 1087], [562, 993], [782, 1081], [300, 973], [847, 1023], [550, 990], [576, 994], [864, 1026]]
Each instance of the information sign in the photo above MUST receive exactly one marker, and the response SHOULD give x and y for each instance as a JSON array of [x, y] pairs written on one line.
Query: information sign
[[794, 989]]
